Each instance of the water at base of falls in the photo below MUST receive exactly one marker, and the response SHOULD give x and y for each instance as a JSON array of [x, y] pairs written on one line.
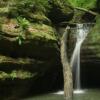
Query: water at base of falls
[[87, 95], [78, 91], [74, 92], [61, 92]]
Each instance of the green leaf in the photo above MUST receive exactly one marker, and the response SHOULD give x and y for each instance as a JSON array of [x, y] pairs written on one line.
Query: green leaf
[[20, 42]]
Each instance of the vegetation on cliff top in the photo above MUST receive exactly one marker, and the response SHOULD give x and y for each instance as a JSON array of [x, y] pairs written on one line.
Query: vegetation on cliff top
[[83, 3]]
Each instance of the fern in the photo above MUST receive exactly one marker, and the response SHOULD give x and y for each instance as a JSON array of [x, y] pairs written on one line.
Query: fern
[[23, 25]]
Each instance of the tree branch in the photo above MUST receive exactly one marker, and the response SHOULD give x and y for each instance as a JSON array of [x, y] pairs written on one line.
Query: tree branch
[[86, 10], [83, 9]]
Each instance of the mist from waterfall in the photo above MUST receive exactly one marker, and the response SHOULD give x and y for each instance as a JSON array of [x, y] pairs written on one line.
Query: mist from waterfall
[[81, 33]]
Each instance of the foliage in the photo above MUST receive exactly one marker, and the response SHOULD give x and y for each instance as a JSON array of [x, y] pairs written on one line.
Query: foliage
[[96, 31], [60, 11], [23, 25], [60, 3], [20, 38], [25, 6], [83, 3], [42, 31], [21, 74], [41, 4]]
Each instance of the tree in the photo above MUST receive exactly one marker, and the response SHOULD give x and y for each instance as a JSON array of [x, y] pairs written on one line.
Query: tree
[[67, 71]]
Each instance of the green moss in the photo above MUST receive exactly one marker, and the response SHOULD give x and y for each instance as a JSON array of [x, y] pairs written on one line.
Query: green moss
[[20, 74], [95, 32], [83, 3], [4, 10], [94, 37], [22, 7], [38, 17], [3, 75], [42, 31], [34, 30], [77, 18], [60, 11]]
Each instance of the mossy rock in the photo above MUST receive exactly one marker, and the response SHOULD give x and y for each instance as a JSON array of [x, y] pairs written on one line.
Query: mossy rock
[[90, 49], [83, 17], [94, 34], [26, 52], [91, 46], [88, 4], [30, 64], [38, 17], [36, 36], [90, 57], [60, 11]]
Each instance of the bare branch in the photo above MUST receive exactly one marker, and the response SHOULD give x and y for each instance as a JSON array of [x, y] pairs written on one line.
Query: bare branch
[[86, 10]]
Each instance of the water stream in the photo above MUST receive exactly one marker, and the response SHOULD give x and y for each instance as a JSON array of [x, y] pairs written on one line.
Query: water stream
[[81, 33]]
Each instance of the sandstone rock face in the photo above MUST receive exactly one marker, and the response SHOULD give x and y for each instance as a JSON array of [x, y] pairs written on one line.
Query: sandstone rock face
[[29, 54], [90, 51], [43, 38], [32, 65], [90, 57], [60, 11]]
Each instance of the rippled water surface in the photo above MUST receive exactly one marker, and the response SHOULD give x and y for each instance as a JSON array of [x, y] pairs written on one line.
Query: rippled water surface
[[86, 95]]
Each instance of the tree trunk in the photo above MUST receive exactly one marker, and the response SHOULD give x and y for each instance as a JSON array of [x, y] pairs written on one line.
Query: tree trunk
[[67, 71]]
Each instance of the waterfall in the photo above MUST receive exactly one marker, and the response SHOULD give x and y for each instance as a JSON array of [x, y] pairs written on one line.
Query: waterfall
[[81, 33]]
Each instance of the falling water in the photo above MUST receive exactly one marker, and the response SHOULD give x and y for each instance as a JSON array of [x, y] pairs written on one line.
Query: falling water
[[81, 33]]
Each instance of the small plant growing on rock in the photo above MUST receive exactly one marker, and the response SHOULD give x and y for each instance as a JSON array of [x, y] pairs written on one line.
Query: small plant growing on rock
[[23, 24]]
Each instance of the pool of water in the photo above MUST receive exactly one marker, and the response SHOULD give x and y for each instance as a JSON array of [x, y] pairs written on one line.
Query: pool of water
[[86, 95]]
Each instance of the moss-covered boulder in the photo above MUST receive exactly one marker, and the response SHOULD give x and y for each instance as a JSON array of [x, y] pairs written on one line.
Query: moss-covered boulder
[[18, 42]]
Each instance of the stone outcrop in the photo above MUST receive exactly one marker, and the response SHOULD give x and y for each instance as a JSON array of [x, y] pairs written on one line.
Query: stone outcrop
[[60, 11], [29, 53], [90, 57]]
